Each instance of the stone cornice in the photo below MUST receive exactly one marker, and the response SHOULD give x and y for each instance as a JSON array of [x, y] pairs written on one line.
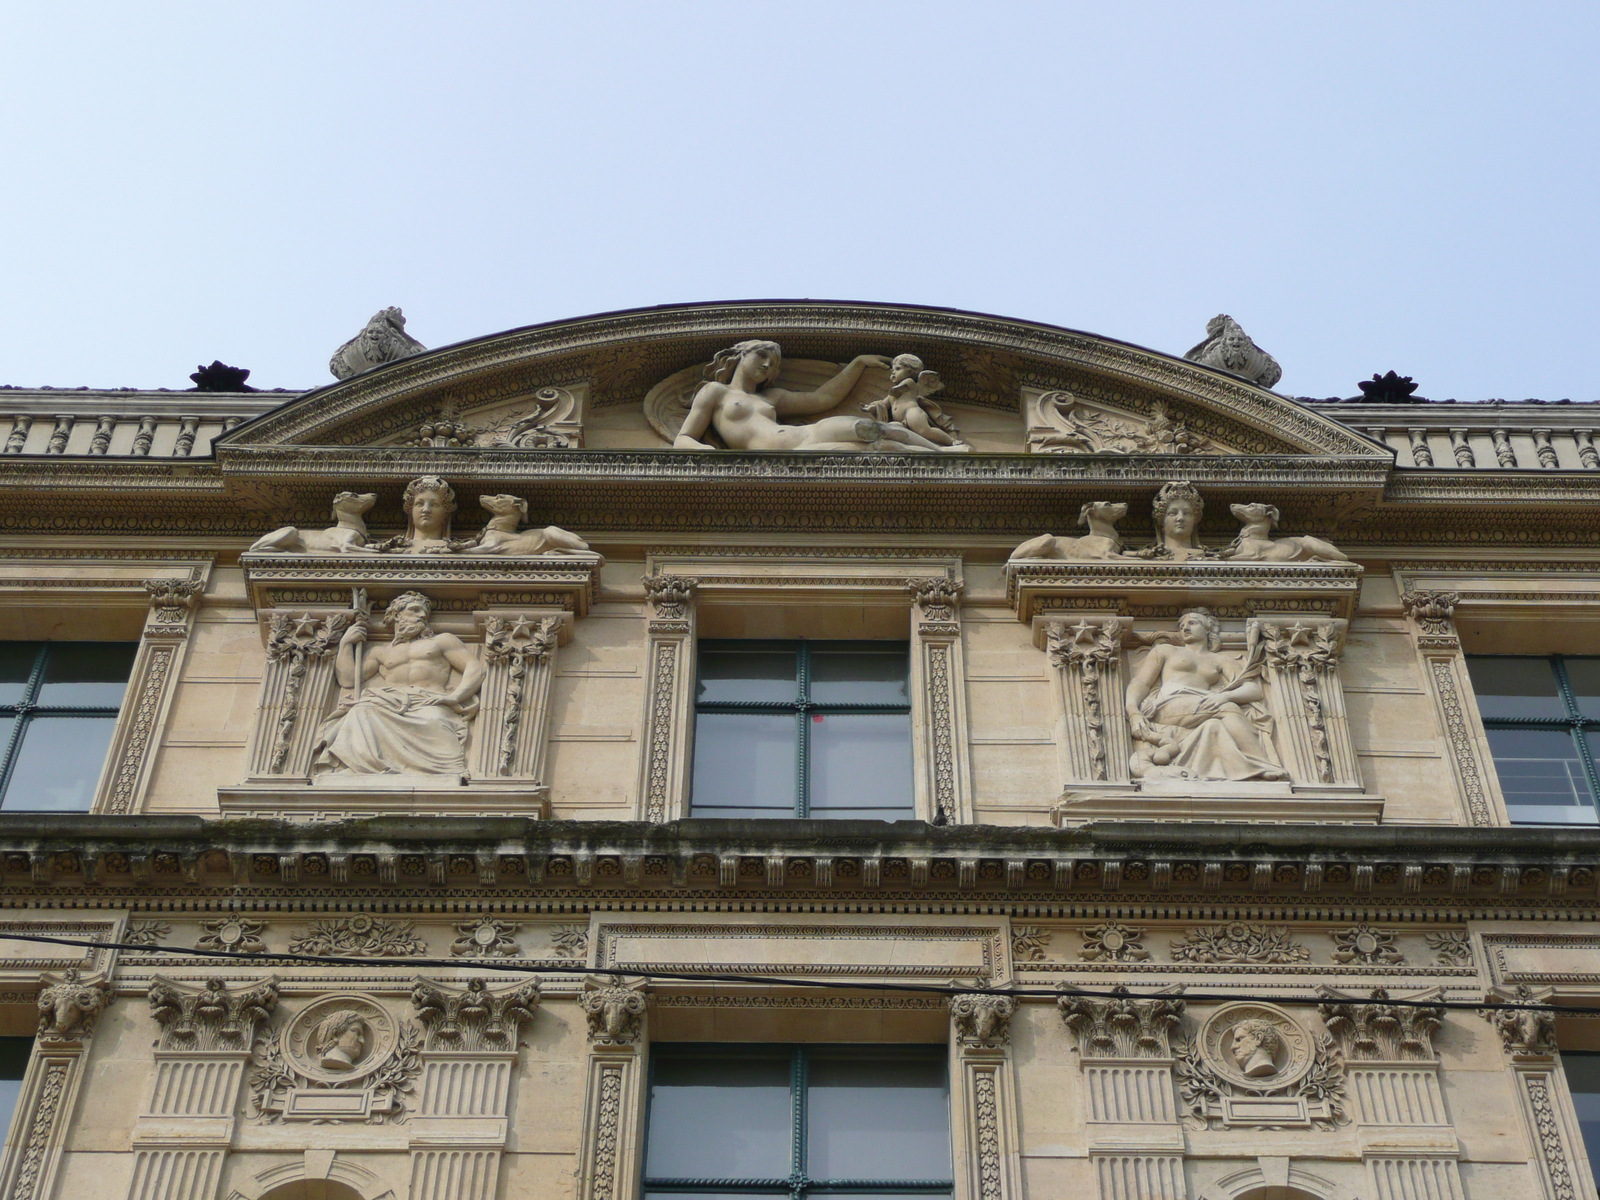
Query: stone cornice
[[87, 855]]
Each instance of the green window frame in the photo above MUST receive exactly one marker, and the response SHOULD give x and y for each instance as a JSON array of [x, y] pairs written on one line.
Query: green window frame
[[798, 1184], [1571, 759], [882, 789], [1582, 1069], [14, 1055], [58, 707]]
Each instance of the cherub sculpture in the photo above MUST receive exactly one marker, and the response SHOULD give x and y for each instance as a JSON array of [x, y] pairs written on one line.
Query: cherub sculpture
[[909, 401]]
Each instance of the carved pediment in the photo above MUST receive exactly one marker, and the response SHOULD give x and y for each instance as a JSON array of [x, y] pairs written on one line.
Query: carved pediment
[[624, 381]]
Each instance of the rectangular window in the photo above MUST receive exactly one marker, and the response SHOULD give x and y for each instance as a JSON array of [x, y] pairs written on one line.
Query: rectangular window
[[58, 706], [14, 1055], [1542, 718], [748, 1120], [803, 729], [1583, 1081]]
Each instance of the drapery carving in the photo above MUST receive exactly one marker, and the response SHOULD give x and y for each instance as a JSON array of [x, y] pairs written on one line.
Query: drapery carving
[[668, 697]]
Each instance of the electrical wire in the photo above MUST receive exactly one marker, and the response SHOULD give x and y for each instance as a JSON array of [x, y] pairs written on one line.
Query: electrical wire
[[267, 958]]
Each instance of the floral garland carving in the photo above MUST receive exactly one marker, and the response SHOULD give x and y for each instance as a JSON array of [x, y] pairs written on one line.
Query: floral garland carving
[[1238, 942], [361, 936]]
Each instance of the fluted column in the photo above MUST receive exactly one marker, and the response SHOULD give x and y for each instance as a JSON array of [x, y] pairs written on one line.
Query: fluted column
[[1135, 1133], [1303, 669], [1093, 736], [512, 737], [297, 691]]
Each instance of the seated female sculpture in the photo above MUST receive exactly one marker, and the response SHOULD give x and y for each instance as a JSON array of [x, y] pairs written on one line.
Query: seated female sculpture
[[737, 401], [1196, 714]]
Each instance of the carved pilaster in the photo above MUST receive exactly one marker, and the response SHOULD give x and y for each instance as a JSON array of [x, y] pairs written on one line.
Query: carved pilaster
[[297, 692], [183, 1134], [1554, 1138], [938, 703], [68, 1007], [513, 730], [1444, 672], [984, 1097], [459, 1130], [614, 1094], [151, 685], [668, 698], [1126, 1049], [1407, 1139], [1302, 667], [1093, 737]]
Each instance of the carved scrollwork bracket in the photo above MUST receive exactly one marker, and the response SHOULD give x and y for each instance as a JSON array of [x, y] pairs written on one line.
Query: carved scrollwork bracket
[[982, 1021], [474, 1017], [69, 1005], [1122, 1027], [1381, 1031], [1527, 1034], [1434, 614], [213, 1017], [615, 1011]]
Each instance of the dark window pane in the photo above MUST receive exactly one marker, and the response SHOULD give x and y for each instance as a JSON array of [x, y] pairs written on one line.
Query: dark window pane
[[1515, 687], [1584, 676], [1541, 776], [59, 763], [878, 1115], [859, 674], [744, 765], [16, 665], [718, 1115], [1583, 1078], [751, 675], [861, 766], [87, 674], [14, 1053]]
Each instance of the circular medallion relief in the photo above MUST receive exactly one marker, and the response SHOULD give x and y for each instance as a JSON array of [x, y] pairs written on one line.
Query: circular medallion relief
[[1255, 1046], [339, 1038]]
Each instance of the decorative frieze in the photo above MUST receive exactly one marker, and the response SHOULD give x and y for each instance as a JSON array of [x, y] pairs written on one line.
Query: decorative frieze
[[362, 936], [1113, 942], [1364, 944], [1239, 942], [487, 937]]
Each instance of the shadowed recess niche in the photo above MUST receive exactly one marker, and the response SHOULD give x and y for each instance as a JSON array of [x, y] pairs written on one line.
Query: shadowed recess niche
[[889, 599]]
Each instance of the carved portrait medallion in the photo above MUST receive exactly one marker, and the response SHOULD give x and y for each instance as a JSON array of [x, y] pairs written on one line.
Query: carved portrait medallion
[[1255, 1046], [339, 1038]]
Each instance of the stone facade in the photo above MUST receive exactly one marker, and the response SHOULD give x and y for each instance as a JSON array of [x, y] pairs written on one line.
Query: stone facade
[[1209, 861]]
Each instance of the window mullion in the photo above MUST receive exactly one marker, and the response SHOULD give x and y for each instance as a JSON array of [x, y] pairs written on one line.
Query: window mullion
[[802, 784], [797, 1108], [36, 676]]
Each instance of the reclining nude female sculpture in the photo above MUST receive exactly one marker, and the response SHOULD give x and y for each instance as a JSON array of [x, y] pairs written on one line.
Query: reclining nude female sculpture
[[1196, 713], [737, 402]]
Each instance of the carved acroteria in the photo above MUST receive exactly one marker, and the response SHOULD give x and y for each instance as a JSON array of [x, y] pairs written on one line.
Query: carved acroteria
[[383, 340], [1229, 348], [1124, 1028], [614, 1011], [474, 1017], [213, 1017], [513, 728], [1526, 1033], [68, 1005], [1381, 1031], [1302, 659], [982, 1020]]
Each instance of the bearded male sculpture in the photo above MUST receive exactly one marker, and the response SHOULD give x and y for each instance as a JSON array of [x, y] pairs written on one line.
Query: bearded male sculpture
[[414, 722]]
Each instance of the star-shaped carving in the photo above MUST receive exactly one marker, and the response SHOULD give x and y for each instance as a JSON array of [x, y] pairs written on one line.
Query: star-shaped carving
[[1297, 633], [1084, 634], [305, 626]]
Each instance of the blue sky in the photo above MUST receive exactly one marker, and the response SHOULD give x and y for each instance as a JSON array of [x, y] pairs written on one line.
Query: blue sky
[[1363, 186]]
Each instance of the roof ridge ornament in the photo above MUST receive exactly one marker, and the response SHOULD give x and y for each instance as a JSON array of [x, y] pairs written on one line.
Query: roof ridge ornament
[[1229, 348]]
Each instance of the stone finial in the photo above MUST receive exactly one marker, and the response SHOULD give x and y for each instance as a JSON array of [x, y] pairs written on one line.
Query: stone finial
[[473, 1017], [1525, 1033], [982, 1020], [384, 340], [1122, 1027], [219, 377], [211, 1017], [69, 1004], [1381, 1031], [1389, 389], [614, 1010], [1229, 348]]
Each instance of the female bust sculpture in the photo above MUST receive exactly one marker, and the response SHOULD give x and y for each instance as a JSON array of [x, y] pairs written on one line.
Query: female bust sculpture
[[1196, 714], [738, 402]]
